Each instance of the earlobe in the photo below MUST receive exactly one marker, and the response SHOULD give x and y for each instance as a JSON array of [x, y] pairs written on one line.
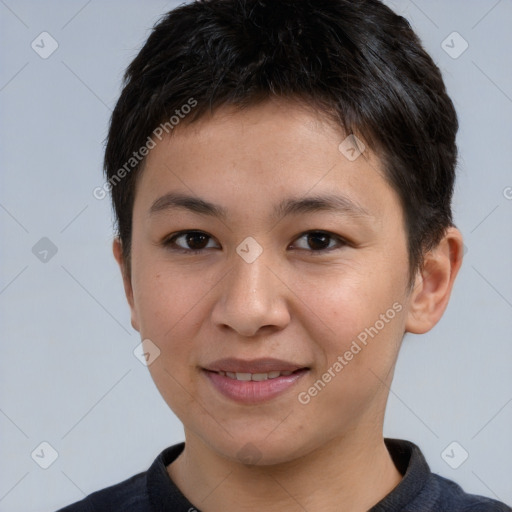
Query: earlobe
[[117, 249], [434, 283]]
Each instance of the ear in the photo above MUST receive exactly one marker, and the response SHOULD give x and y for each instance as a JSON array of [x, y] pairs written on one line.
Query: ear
[[117, 249], [434, 283]]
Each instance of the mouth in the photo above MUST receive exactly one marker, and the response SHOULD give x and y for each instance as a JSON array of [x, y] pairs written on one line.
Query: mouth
[[262, 366], [255, 381], [257, 377]]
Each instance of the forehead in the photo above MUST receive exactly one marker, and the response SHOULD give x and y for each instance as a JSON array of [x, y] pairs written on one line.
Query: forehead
[[256, 159]]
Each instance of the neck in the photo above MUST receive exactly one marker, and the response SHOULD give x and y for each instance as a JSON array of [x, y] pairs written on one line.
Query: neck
[[350, 473]]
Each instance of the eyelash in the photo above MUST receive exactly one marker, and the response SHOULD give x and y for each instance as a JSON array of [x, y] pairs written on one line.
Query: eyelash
[[169, 242]]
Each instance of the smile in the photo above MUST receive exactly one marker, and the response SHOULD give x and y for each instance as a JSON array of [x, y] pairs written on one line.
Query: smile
[[253, 388], [254, 376]]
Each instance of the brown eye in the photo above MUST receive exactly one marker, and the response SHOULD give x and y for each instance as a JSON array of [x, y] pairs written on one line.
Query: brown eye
[[188, 241], [196, 240], [317, 241]]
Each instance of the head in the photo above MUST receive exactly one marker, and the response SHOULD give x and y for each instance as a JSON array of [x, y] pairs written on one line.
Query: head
[[258, 111]]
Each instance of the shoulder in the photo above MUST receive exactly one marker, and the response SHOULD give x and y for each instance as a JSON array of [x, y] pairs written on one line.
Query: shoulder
[[452, 497], [128, 495], [139, 492], [421, 490]]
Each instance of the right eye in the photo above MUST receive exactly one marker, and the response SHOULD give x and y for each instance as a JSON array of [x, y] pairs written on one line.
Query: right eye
[[189, 242]]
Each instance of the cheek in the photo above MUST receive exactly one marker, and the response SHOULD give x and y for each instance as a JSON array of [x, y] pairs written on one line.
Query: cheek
[[359, 318], [173, 305], [170, 306], [339, 306], [358, 356], [167, 298]]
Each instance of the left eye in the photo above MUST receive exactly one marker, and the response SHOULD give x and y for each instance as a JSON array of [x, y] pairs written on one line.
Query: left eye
[[320, 241]]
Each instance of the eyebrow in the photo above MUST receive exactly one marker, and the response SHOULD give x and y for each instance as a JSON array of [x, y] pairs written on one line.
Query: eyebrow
[[289, 206]]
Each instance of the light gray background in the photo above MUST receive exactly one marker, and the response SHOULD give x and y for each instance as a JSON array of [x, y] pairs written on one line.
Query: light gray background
[[68, 373]]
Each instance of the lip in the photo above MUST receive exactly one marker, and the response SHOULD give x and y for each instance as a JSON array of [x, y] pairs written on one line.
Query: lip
[[253, 392], [262, 365]]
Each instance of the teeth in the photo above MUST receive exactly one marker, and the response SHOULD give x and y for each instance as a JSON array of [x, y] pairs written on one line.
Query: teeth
[[254, 376]]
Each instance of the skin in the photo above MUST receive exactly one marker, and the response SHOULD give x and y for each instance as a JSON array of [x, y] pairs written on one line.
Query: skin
[[293, 302]]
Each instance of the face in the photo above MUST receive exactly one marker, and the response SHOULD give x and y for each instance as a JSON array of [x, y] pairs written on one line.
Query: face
[[260, 247]]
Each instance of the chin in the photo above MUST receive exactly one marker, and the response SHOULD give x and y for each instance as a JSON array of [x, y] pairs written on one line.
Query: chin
[[256, 450]]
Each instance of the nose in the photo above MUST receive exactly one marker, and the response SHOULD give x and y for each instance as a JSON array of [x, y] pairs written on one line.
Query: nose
[[252, 299]]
